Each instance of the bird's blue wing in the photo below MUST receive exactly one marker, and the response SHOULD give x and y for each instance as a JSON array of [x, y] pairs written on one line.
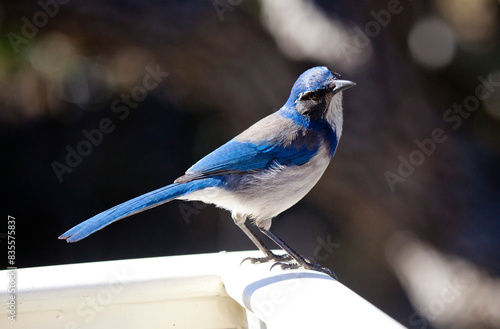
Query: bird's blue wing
[[236, 157]]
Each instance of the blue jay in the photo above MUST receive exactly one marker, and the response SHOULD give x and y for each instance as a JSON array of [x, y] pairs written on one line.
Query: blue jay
[[261, 172]]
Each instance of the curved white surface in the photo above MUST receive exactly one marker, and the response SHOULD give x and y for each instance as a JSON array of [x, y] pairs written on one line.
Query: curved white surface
[[193, 291]]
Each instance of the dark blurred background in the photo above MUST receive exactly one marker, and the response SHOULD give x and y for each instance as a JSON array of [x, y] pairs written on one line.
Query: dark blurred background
[[101, 101]]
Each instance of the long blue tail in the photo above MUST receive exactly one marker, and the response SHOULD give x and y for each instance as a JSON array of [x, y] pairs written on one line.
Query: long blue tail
[[134, 206]]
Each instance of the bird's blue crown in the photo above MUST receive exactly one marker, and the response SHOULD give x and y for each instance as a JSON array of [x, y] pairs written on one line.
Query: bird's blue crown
[[316, 78]]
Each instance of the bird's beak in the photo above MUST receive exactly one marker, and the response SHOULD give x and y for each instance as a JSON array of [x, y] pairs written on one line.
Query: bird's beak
[[342, 85]]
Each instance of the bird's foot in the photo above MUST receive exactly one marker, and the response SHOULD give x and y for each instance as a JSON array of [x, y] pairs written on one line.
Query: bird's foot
[[268, 258], [306, 265]]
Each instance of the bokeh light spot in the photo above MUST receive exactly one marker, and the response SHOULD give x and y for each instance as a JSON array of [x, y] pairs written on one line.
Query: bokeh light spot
[[431, 43]]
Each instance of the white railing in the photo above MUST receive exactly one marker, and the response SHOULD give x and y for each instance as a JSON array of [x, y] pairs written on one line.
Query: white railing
[[194, 291]]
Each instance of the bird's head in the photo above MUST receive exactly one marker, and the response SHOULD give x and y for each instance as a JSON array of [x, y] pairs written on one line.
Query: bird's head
[[317, 94]]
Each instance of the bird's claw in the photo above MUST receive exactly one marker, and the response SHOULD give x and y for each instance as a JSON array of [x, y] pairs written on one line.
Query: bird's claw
[[273, 257], [307, 265], [284, 266], [287, 262]]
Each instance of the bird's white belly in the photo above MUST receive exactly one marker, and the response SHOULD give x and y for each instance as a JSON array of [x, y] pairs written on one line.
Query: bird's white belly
[[265, 194]]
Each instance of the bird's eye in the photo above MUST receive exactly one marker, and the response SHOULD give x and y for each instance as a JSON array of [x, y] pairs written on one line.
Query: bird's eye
[[309, 96]]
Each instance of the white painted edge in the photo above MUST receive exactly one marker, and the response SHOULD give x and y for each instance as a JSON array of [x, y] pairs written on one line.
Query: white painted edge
[[190, 291]]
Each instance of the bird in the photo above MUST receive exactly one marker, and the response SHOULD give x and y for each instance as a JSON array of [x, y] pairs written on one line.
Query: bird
[[261, 172]]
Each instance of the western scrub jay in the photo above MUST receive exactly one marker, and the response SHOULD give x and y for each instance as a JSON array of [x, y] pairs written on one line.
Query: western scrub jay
[[261, 172]]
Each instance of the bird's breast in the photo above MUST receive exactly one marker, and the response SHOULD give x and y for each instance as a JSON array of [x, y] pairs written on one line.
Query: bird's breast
[[264, 194]]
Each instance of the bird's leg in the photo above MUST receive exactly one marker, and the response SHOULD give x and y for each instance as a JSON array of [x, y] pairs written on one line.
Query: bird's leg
[[241, 221], [301, 261]]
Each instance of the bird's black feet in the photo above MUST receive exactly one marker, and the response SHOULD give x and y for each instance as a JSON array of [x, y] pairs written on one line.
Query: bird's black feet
[[268, 258], [307, 265]]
